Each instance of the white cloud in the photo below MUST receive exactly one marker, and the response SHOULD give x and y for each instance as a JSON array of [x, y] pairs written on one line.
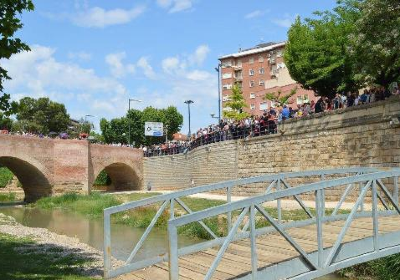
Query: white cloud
[[170, 64], [99, 17], [37, 73], [286, 21], [255, 14], [199, 55], [117, 68], [175, 6], [198, 75], [82, 56], [146, 67]]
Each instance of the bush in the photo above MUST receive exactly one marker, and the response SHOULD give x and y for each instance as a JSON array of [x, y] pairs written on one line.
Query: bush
[[5, 176], [103, 179]]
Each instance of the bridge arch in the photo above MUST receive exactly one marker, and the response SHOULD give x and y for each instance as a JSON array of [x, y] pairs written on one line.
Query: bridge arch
[[124, 176], [34, 177]]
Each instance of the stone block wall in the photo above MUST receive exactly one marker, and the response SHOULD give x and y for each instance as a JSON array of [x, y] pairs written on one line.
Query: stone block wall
[[360, 136]]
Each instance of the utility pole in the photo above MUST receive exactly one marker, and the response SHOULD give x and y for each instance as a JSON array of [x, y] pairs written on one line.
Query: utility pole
[[188, 102]]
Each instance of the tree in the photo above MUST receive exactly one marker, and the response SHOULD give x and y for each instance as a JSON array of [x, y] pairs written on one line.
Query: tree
[[41, 116], [9, 44], [316, 53], [235, 105], [280, 99], [117, 130], [375, 42], [5, 122]]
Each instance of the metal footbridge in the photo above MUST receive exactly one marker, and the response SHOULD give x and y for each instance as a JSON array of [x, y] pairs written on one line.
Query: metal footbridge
[[264, 242]]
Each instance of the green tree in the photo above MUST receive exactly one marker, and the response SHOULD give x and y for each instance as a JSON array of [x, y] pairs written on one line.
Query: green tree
[[117, 130], [375, 42], [5, 122], [280, 99], [235, 105], [316, 53], [41, 116], [9, 44]]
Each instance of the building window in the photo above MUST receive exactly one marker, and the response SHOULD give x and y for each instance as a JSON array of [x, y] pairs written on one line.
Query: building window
[[261, 83], [227, 86], [251, 84], [251, 60], [260, 58], [226, 63], [261, 71], [302, 99], [239, 63], [263, 106], [251, 72], [225, 98], [252, 95], [238, 75], [252, 106], [279, 53], [226, 75]]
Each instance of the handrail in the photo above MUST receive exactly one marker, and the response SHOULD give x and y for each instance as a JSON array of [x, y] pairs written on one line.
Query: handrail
[[278, 181], [367, 182]]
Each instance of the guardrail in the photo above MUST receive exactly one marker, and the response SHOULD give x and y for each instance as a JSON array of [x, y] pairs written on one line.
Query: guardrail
[[272, 182], [372, 182]]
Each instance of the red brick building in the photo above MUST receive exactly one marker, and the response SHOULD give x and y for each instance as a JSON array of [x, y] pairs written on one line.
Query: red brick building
[[258, 71]]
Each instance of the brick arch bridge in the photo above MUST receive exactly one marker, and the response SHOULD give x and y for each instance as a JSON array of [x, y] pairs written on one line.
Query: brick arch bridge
[[48, 166]]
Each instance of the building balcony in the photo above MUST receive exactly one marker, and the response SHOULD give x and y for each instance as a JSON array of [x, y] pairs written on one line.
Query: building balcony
[[239, 78], [237, 67]]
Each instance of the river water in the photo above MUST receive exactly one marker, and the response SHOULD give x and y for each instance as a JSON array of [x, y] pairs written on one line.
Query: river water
[[90, 231]]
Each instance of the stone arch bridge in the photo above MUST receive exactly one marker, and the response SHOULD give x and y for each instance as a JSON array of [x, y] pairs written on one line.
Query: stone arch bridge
[[47, 166]]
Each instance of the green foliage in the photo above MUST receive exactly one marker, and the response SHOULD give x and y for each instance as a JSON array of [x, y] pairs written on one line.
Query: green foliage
[[5, 122], [280, 99], [316, 52], [9, 44], [375, 42], [235, 105], [34, 262], [387, 268], [5, 176], [41, 116], [8, 197], [102, 179], [117, 130]]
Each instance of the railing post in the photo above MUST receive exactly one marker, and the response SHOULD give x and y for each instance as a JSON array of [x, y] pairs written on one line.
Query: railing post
[[228, 200], [254, 264], [278, 201], [323, 196], [375, 215], [172, 208], [396, 190], [107, 244], [173, 252], [319, 209], [360, 190]]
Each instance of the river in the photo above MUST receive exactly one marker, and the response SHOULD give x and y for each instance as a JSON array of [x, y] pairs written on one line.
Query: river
[[90, 231]]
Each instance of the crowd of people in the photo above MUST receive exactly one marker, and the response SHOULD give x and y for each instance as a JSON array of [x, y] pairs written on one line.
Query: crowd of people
[[267, 123]]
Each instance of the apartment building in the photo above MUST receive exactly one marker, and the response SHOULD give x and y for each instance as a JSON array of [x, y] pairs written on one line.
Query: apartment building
[[258, 71]]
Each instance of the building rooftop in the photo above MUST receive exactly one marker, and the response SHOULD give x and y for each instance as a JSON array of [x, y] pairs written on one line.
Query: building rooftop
[[257, 49]]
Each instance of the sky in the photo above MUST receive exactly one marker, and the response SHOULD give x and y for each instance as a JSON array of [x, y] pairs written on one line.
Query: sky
[[95, 55]]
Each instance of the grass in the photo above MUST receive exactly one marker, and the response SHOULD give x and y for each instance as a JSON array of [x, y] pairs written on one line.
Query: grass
[[8, 197], [35, 264]]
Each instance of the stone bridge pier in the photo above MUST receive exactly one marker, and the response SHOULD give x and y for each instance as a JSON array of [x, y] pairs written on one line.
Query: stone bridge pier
[[48, 166]]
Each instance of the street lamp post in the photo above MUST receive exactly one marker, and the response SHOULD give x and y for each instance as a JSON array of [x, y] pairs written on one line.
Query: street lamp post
[[129, 121], [188, 102], [218, 69], [213, 116]]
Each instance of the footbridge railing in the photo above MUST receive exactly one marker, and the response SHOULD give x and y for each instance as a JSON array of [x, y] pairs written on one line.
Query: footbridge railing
[[170, 202], [325, 259]]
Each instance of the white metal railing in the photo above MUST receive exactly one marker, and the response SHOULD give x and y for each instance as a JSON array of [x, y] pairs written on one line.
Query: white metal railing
[[274, 182]]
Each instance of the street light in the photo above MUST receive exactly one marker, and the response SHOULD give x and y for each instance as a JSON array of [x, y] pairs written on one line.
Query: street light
[[129, 121], [213, 116], [188, 102], [218, 69]]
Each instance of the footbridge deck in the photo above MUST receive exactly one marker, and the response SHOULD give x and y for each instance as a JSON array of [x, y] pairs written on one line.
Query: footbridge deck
[[261, 242]]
